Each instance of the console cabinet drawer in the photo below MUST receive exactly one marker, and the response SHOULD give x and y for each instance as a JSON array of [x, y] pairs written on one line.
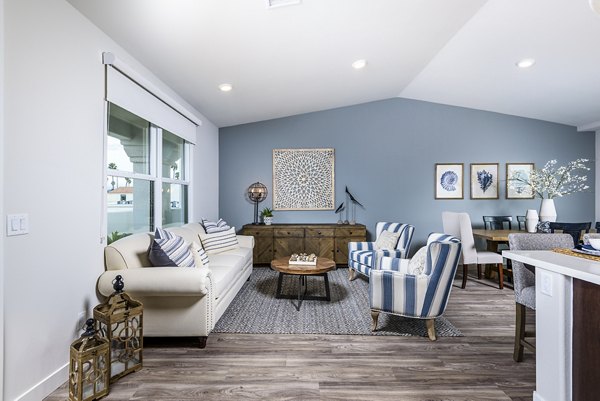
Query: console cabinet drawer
[[319, 232], [295, 232]]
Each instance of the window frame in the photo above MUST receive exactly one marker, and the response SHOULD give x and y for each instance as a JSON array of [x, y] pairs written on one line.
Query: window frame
[[155, 176]]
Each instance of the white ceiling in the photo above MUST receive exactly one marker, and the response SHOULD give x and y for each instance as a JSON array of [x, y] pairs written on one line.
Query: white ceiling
[[297, 59]]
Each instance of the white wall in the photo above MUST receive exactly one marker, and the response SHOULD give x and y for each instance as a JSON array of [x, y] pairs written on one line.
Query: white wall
[[2, 226], [206, 174], [53, 168]]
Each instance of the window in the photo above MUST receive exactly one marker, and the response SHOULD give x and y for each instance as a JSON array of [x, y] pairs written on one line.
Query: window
[[147, 175]]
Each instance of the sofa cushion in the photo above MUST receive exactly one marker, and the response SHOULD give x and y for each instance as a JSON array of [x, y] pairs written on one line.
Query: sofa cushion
[[417, 263], [387, 240], [212, 227], [225, 267], [169, 249], [200, 256], [219, 242]]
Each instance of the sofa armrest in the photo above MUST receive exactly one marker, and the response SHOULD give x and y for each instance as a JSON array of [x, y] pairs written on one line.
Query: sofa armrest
[[158, 281], [246, 241]]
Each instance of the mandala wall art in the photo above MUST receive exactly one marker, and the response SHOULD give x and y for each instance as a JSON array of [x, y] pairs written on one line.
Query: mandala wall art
[[303, 179], [449, 180], [484, 180]]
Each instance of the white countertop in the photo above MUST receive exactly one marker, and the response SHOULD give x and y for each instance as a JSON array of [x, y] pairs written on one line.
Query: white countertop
[[580, 268]]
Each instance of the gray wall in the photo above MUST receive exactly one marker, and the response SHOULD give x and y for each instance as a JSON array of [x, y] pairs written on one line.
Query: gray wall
[[385, 153]]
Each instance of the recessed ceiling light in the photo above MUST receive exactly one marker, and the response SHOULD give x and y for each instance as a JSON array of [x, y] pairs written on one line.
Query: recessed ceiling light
[[281, 3], [359, 64], [526, 63], [225, 87]]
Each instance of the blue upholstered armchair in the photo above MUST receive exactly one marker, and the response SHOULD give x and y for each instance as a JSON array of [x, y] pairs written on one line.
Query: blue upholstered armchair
[[364, 256], [418, 287]]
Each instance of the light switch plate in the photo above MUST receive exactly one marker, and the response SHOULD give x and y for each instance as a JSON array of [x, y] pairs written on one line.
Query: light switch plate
[[17, 224]]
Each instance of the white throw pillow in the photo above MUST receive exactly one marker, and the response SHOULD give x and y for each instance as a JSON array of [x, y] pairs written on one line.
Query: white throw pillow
[[200, 256], [219, 242], [417, 263], [387, 240]]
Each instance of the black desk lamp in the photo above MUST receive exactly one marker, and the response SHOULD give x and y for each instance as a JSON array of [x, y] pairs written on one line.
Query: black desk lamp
[[257, 192]]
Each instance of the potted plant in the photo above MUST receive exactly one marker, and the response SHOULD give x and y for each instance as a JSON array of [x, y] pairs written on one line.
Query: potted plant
[[267, 215], [553, 182]]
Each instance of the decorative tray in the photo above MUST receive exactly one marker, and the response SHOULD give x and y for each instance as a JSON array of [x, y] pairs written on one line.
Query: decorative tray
[[303, 259]]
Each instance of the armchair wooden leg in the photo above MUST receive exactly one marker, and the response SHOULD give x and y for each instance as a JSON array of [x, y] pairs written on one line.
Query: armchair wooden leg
[[203, 341], [464, 281], [351, 274], [431, 329], [501, 276], [374, 318], [519, 332]]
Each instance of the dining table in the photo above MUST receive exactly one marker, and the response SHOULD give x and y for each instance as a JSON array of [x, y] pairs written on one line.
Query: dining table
[[493, 238]]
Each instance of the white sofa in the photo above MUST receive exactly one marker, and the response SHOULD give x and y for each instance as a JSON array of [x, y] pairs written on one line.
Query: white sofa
[[178, 301]]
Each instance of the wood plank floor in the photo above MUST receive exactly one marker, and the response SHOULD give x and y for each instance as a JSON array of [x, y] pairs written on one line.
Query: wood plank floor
[[478, 366]]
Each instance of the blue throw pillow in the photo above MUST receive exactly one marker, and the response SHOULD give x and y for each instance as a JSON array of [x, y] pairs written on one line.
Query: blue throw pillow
[[169, 249]]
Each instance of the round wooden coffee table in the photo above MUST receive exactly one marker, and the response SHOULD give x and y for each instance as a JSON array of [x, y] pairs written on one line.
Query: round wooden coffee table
[[283, 266]]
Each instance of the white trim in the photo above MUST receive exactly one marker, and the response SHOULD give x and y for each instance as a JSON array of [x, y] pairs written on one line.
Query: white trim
[[593, 126], [597, 174], [110, 59], [46, 386], [2, 159]]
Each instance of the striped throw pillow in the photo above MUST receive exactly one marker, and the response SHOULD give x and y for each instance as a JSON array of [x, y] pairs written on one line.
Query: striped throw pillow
[[219, 242], [211, 227], [169, 249], [200, 256]]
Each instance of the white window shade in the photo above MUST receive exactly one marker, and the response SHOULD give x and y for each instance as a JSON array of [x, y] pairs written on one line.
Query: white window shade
[[123, 91]]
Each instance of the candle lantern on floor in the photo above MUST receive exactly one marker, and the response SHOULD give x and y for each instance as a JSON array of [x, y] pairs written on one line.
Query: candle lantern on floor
[[120, 318], [89, 374]]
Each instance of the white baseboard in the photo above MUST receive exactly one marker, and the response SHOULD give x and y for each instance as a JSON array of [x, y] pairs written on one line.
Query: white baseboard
[[46, 386]]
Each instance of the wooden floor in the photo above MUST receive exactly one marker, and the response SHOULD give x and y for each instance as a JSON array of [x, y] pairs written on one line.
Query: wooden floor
[[478, 366]]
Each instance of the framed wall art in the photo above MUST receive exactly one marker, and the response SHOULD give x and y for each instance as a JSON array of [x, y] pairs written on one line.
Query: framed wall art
[[303, 179], [484, 180], [449, 180], [517, 176]]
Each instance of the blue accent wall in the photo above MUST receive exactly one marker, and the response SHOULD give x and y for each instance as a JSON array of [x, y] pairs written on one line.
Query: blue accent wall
[[385, 152]]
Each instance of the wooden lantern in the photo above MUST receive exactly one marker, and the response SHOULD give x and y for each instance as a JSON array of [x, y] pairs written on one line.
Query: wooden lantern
[[89, 374], [120, 319]]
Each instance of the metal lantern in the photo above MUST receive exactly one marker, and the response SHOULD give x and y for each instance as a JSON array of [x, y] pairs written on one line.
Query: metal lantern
[[257, 192], [89, 374], [120, 319]]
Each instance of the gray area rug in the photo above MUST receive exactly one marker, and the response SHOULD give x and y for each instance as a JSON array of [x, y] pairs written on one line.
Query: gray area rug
[[255, 310]]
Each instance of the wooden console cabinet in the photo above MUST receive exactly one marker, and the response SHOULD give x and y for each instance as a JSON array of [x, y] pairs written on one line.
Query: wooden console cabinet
[[325, 240]]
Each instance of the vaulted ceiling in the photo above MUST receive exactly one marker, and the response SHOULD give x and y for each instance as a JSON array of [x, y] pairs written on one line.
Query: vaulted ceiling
[[296, 59]]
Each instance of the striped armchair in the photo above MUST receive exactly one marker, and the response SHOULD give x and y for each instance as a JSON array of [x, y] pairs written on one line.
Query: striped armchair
[[419, 287], [364, 256]]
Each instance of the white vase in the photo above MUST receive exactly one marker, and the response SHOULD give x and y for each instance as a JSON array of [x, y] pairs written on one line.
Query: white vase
[[268, 220], [547, 210], [531, 220]]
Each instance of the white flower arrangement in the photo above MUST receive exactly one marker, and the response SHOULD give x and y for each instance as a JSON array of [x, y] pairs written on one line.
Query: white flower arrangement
[[552, 182]]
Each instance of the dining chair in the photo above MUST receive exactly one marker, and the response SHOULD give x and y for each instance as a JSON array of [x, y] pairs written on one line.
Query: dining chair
[[524, 281], [497, 222], [597, 227], [574, 229], [521, 220], [459, 225]]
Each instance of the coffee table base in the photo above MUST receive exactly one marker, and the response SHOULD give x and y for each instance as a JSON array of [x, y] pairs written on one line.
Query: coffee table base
[[302, 288]]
